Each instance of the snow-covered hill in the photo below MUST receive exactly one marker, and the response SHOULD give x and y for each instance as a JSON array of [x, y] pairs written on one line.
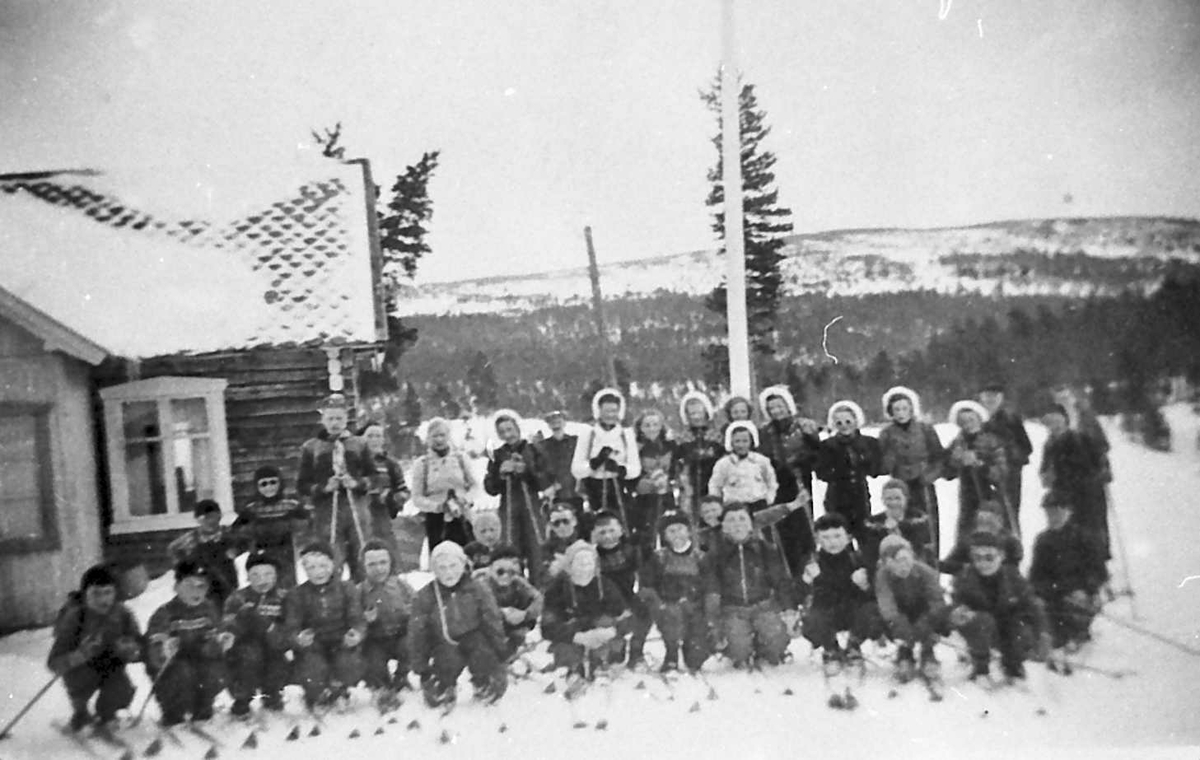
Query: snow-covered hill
[[1073, 257], [1154, 711]]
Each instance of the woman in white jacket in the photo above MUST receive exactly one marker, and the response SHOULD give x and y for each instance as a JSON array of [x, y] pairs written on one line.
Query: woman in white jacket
[[606, 460], [442, 482]]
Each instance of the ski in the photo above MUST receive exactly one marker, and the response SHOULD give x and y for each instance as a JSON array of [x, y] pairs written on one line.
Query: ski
[[935, 687], [78, 738], [109, 737]]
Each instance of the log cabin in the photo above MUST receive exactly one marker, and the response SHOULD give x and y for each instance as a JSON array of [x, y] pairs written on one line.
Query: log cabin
[[162, 335]]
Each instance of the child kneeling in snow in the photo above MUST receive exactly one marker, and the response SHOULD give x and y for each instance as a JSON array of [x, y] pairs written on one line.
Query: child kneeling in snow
[[325, 621], [585, 616], [619, 562], [1067, 573], [94, 638], [387, 604], [841, 595], [519, 602], [185, 648], [670, 586], [257, 660], [995, 608], [912, 606], [747, 593], [456, 624]]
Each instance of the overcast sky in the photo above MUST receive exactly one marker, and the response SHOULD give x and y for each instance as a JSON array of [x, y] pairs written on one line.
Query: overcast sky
[[553, 114]]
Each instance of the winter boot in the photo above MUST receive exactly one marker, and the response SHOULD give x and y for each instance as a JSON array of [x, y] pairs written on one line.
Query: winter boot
[[273, 701], [240, 708], [931, 669], [670, 661], [905, 666], [980, 669], [80, 716], [437, 695], [1014, 669], [831, 662]]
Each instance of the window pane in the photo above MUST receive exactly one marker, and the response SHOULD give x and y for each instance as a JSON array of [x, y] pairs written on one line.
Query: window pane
[[189, 416], [141, 419], [144, 473], [193, 471], [20, 478]]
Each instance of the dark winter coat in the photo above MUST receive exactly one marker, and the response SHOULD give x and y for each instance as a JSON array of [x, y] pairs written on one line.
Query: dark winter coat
[[916, 530], [329, 610], [620, 565], [743, 575], [387, 486], [255, 617], [316, 467], [1073, 466], [76, 623], [392, 601], [699, 449], [195, 627], [551, 548], [660, 455], [518, 595], [793, 454], [1066, 560], [911, 451], [833, 586], [960, 556], [671, 577], [554, 460], [1006, 596], [845, 463], [1008, 426], [267, 522], [571, 609], [497, 485], [465, 607], [914, 601], [988, 449]]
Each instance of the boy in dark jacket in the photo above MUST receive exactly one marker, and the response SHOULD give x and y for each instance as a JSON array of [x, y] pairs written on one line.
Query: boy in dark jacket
[[670, 587], [993, 607], [257, 660], [585, 616], [912, 606], [333, 476], [95, 637], [896, 520], [619, 563], [845, 461], [987, 520], [185, 645], [841, 595], [387, 606], [519, 601], [485, 524], [455, 625], [1066, 573], [213, 547], [269, 522], [513, 474], [747, 593], [326, 625]]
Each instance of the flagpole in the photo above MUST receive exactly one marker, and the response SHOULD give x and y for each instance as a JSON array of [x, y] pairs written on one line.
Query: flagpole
[[731, 178]]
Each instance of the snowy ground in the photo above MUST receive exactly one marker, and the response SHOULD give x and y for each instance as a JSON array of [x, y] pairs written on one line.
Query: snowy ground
[[1154, 711]]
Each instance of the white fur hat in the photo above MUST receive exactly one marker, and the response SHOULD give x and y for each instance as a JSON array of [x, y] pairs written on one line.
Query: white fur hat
[[695, 396], [776, 390], [740, 425], [493, 441], [860, 419], [967, 405], [608, 392], [904, 392]]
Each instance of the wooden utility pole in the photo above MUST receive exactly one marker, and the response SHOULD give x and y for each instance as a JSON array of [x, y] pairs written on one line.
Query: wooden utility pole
[[731, 179], [610, 366]]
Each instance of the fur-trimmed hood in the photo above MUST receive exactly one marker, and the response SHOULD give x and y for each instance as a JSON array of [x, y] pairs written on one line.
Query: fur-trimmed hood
[[494, 441], [740, 425], [860, 419], [967, 405], [904, 392], [776, 390], [607, 392], [696, 396]]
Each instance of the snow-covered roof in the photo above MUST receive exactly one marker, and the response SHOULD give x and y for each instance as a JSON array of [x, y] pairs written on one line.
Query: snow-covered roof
[[188, 260]]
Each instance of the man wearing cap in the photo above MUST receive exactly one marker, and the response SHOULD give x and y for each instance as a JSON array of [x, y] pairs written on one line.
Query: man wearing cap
[[334, 472], [212, 546], [254, 630], [554, 457], [1006, 424]]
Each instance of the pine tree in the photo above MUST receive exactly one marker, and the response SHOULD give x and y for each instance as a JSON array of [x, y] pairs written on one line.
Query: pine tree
[[402, 224], [765, 222]]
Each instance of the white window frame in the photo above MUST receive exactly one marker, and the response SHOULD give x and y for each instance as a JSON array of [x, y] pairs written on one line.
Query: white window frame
[[163, 390]]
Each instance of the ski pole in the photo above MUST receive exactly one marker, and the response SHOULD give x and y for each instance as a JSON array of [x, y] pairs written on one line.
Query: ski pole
[[508, 508], [1152, 634], [153, 685], [4, 734], [935, 520], [1121, 550]]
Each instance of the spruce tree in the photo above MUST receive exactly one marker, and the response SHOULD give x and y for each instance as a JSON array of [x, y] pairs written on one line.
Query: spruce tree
[[765, 222]]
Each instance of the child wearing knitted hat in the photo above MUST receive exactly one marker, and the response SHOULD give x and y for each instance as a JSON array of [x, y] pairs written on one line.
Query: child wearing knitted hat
[[670, 587], [254, 621]]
